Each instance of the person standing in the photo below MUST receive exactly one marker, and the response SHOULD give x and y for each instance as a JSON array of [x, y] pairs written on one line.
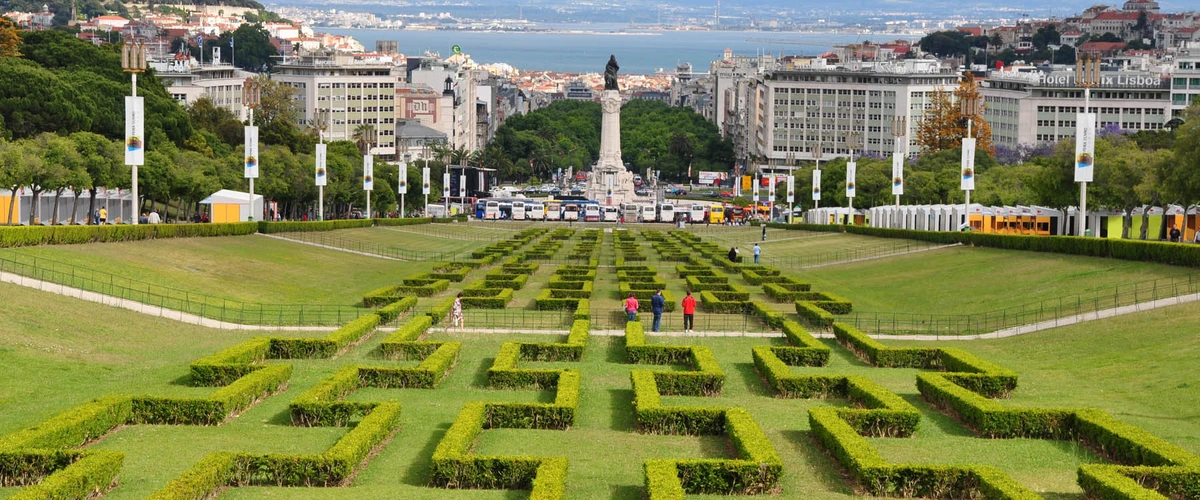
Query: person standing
[[764, 226], [1174, 233], [153, 218], [456, 313], [757, 251], [733, 254], [103, 216], [631, 307], [657, 304], [689, 312]]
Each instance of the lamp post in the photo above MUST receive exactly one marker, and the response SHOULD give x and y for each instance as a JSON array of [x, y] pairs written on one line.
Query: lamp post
[[1087, 75], [899, 132], [402, 178], [852, 143], [320, 123], [970, 107], [369, 137], [818, 150], [133, 61], [251, 98]]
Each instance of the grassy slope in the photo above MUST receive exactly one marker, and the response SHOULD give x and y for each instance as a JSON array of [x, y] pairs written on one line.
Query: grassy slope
[[241, 268], [970, 280]]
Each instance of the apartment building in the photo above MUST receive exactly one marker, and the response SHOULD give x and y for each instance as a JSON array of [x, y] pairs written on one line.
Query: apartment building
[[355, 92]]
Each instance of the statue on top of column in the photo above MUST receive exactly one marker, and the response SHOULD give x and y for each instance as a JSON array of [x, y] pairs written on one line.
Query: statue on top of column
[[610, 73]]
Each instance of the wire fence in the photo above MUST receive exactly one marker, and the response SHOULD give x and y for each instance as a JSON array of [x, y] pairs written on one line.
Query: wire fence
[[457, 231], [510, 319], [391, 252], [849, 254], [1051, 311], [170, 299]]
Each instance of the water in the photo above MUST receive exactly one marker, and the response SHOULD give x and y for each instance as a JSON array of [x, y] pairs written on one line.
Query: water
[[638, 52]]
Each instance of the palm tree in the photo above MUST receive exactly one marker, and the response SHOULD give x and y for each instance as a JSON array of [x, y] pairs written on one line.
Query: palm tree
[[364, 135], [682, 145]]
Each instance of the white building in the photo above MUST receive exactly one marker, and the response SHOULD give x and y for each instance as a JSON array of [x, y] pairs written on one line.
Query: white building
[[355, 92], [1185, 84], [220, 83]]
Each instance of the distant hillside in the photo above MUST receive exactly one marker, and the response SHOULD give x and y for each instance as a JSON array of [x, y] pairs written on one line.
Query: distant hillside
[[88, 9]]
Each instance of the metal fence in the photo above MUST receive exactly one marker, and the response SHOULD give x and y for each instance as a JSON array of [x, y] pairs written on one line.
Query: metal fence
[[391, 252], [170, 299], [510, 319], [673, 322], [848, 255], [1052, 311]]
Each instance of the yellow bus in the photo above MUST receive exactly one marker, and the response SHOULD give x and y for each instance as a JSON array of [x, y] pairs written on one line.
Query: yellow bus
[[716, 214]]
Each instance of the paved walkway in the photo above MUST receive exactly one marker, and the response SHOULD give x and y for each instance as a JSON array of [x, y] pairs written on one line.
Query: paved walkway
[[328, 247], [147, 309]]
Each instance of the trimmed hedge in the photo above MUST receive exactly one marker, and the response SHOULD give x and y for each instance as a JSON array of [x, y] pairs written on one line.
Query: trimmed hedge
[[60, 474], [546, 301], [266, 227], [713, 303], [420, 287], [643, 298], [20, 236], [814, 315], [788, 291], [407, 221]]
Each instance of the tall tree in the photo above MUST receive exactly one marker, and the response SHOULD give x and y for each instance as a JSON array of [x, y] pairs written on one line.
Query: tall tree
[[10, 41]]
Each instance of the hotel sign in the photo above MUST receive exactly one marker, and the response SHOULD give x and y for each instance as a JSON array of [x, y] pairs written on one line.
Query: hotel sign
[[1111, 81]]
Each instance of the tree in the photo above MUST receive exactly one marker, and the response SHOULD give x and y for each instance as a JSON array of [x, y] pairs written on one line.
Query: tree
[[1183, 181], [939, 127], [980, 129], [10, 41], [363, 136], [945, 43], [252, 49]]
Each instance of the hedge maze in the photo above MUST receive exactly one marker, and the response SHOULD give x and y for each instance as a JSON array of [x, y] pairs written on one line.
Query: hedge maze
[[593, 391]]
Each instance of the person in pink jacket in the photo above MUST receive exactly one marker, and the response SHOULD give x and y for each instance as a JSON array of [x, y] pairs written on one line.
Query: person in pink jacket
[[631, 307]]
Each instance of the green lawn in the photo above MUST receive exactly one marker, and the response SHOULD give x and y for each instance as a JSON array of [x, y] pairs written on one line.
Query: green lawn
[[238, 268], [408, 238]]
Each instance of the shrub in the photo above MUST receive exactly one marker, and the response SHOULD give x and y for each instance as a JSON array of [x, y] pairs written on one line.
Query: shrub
[[19, 236], [266, 227], [814, 315], [710, 302], [407, 221], [546, 301]]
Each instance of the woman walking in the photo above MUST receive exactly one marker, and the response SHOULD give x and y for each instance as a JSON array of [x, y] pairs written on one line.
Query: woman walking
[[456, 313]]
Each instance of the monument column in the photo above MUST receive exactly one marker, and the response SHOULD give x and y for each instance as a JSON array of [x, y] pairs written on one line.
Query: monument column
[[610, 131]]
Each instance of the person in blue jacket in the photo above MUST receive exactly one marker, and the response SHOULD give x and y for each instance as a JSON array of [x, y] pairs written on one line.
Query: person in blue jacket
[[657, 303]]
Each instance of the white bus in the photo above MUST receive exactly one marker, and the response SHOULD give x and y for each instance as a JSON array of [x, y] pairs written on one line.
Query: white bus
[[553, 209], [648, 214], [592, 212], [570, 211], [696, 213], [534, 211], [666, 212], [492, 210], [611, 214], [630, 212], [518, 210]]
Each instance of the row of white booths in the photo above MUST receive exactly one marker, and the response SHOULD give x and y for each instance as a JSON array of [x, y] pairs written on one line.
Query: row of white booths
[[118, 204]]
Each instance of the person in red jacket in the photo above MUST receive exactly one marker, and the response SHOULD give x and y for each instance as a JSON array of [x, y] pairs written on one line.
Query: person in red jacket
[[631, 308], [689, 312]]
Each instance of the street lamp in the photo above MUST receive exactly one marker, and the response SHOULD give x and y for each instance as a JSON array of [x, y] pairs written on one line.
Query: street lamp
[[251, 98], [320, 123], [899, 132], [133, 61], [1087, 75], [818, 150], [970, 107], [370, 135], [853, 140]]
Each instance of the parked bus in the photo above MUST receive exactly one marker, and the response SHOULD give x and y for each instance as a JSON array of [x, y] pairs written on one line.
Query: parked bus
[[696, 213], [666, 212], [716, 214], [648, 214], [612, 214], [553, 209], [570, 211], [591, 212], [480, 209], [518, 210], [534, 211], [491, 210], [630, 212]]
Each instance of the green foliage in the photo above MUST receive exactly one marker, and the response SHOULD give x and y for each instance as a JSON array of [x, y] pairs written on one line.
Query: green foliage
[[18, 236], [266, 227], [66, 474]]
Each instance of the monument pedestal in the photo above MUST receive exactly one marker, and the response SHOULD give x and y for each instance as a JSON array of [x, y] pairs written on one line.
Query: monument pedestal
[[609, 182]]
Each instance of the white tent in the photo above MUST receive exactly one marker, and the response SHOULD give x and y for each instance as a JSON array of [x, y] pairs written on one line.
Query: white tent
[[233, 206]]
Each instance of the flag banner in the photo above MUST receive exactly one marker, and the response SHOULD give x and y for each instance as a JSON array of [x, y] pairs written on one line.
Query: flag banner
[[462, 185], [445, 184], [425, 180], [1085, 147], [368, 173], [897, 174], [851, 173], [791, 189], [135, 131], [755, 192], [771, 190], [816, 185], [968, 164], [322, 178], [251, 159], [402, 183]]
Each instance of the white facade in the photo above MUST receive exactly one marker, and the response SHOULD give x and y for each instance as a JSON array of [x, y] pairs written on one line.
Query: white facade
[[354, 93], [220, 83]]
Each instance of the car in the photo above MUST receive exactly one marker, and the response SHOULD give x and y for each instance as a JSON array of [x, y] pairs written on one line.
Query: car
[[727, 194], [641, 192], [577, 192]]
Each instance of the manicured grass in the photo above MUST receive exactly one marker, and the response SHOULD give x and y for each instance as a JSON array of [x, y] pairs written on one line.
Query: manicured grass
[[975, 280], [455, 240], [238, 268]]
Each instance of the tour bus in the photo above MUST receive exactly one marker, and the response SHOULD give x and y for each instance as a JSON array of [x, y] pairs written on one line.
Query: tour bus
[[666, 212], [591, 212], [534, 211], [648, 214], [611, 214], [518, 210], [480, 209], [696, 213], [716, 214], [553, 209], [570, 210], [630, 212], [491, 210]]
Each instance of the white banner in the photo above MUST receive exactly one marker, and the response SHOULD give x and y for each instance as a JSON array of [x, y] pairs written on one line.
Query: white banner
[[251, 159], [462, 185], [425, 180], [1085, 147], [771, 190], [402, 183], [755, 191], [816, 185], [135, 131], [968, 165], [791, 189], [851, 173], [368, 173], [445, 184], [322, 178], [897, 174]]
